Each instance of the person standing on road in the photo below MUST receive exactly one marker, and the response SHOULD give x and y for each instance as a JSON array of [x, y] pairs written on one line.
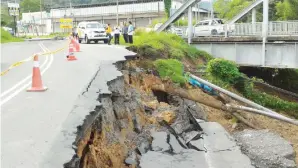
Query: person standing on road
[[116, 35], [124, 32], [109, 31], [130, 32]]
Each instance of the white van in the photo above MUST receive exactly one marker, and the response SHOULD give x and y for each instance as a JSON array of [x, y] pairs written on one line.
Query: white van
[[92, 31]]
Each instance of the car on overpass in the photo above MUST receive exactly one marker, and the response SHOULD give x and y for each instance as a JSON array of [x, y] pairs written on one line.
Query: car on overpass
[[170, 29], [92, 31], [210, 27]]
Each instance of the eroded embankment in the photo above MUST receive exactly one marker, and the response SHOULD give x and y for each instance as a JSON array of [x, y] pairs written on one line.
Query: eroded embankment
[[121, 127], [124, 119]]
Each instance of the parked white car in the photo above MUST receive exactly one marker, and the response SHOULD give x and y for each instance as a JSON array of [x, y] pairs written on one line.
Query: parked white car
[[92, 31], [170, 29], [210, 27], [175, 30]]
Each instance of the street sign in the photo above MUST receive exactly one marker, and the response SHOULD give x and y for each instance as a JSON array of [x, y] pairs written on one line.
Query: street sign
[[62, 26], [66, 23], [65, 20], [13, 9]]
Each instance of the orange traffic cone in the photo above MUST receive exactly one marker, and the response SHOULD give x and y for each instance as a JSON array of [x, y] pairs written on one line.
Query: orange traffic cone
[[72, 41], [70, 56], [36, 78], [77, 45]]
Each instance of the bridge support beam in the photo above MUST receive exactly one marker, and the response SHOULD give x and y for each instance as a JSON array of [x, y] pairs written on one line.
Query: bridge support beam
[[253, 20], [190, 32], [265, 28]]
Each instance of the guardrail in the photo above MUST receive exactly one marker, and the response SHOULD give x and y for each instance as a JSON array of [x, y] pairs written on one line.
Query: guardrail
[[275, 28]]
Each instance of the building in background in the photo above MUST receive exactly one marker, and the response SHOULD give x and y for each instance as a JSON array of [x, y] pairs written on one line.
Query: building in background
[[141, 13]]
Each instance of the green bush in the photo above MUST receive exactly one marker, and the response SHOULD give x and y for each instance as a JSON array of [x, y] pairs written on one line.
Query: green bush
[[6, 37], [170, 68], [224, 69]]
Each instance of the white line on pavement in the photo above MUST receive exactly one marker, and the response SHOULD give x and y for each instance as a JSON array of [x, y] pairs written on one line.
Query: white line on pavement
[[25, 79], [28, 84]]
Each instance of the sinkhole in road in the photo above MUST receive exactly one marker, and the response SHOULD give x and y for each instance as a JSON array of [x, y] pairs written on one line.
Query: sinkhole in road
[[128, 118]]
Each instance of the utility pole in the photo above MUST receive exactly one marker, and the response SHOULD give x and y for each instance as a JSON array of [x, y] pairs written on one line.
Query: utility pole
[[40, 18], [117, 13]]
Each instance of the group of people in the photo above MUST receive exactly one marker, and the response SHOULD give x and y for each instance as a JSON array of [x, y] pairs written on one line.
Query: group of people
[[127, 32]]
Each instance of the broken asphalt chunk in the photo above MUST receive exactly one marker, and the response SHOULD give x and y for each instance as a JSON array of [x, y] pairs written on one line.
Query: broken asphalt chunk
[[197, 145], [159, 142], [144, 147], [177, 148], [193, 120], [192, 135]]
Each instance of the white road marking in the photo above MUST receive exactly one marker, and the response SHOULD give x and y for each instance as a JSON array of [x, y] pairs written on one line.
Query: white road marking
[[28, 84], [25, 79]]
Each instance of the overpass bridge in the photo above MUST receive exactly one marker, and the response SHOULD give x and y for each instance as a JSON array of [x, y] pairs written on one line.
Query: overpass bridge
[[248, 43], [245, 45]]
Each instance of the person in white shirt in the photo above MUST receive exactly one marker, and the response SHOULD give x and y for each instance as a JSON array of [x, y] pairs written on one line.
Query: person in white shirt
[[130, 32], [116, 35]]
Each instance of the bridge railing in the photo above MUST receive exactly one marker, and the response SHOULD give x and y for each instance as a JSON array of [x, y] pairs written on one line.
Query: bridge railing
[[275, 28]]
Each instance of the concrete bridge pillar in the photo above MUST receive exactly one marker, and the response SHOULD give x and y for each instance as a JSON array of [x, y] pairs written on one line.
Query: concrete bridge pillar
[[265, 28], [190, 33]]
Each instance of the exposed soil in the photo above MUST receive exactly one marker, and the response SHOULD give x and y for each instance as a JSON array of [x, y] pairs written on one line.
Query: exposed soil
[[287, 131], [129, 114]]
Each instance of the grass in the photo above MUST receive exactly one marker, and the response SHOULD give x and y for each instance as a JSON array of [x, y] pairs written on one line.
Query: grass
[[166, 45], [170, 68], [6, 37]]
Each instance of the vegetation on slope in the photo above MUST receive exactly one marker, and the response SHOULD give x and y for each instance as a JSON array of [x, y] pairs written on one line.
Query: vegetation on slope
[[226, 73], [170, 53], [6, 37], [156, 45]]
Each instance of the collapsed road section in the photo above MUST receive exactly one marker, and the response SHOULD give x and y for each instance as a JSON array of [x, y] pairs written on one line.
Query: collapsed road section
[[119, 122]]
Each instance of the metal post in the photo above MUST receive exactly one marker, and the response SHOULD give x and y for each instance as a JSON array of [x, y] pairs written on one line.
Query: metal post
[[199, 14], [265, 29], [190, 34], [253, 20], [40, 18], [117, 13], [196, 13], [15, 25], [212, 13]]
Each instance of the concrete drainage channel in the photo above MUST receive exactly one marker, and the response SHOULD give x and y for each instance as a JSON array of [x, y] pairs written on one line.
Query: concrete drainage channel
[[127, 125]]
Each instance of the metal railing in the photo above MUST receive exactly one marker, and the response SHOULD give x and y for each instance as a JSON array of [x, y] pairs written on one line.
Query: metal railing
[[275, 28]]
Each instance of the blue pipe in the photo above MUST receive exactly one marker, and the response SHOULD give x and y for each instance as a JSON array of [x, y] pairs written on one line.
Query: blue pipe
[[203, 86]]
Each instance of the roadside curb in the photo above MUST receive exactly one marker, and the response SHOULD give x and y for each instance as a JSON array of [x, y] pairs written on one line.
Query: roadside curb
[[46, 39]]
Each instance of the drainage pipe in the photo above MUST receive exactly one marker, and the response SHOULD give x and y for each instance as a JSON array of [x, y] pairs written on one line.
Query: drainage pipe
[[235, 96], [264, 113]]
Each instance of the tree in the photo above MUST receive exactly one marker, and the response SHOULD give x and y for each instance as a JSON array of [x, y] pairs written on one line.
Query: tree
[[30, 6], [287, 10], [168, 6], [228, 10]]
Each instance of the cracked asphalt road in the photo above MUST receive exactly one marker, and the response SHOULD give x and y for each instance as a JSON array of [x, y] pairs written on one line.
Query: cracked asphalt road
[[31, 120]]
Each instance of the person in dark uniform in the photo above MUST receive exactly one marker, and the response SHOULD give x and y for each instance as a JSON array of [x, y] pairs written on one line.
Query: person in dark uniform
[[75, 33], [124, 32], [116, 35]]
